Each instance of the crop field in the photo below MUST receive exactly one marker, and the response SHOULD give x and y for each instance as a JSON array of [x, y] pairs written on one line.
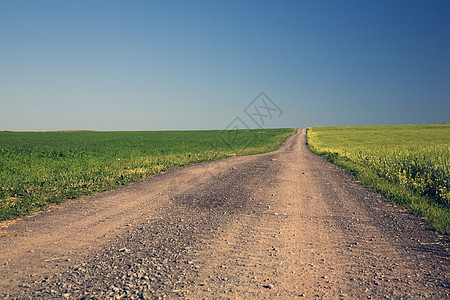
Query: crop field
[[39, 168], [410, 164]]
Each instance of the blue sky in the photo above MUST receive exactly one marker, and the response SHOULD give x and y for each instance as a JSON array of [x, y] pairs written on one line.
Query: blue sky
[[152, 65]]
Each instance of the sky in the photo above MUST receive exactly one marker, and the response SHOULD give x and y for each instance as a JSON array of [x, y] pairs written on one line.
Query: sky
[[181, 65]]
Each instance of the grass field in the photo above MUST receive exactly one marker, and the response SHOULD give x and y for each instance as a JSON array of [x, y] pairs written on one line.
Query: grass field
[[410, 164], [39, 168]]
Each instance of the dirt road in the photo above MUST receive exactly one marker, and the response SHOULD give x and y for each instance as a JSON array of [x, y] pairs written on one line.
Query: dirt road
[[285, 224]]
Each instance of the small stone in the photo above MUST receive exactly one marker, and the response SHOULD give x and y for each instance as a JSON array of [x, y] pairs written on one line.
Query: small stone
[[115, 289]]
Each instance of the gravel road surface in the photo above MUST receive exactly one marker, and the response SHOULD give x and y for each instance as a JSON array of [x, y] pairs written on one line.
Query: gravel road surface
[[285, 224]]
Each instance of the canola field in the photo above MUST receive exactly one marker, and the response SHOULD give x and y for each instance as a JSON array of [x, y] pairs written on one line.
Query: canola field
[[410, 164], [40, 168]]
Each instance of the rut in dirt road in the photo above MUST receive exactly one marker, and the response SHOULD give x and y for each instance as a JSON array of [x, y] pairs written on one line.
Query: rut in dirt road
[[285, 224]]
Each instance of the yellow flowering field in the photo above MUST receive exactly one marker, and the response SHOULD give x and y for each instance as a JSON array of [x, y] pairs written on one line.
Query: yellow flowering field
[[408, 163]]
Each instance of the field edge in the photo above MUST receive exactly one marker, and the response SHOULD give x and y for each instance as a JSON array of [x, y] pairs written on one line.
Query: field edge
[[437, 216], [29, 206]]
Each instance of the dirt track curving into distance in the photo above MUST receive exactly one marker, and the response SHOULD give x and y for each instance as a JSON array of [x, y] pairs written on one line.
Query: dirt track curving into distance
[[285, 224]]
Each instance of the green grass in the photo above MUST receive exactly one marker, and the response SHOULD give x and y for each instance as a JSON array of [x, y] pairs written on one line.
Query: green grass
[[409, 164], [40, 168]]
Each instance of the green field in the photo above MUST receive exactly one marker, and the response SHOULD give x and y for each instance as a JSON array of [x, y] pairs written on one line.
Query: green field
[[39, 168], [410, 164]]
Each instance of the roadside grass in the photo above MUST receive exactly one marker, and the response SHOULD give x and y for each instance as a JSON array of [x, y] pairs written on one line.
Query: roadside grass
[[41, 168], [409, 164]]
